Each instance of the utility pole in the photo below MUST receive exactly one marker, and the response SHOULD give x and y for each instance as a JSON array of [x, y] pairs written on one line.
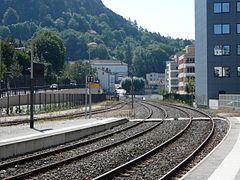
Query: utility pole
[[31, 89], [86, 94], [90, 101], [1, 60], [132, 90]]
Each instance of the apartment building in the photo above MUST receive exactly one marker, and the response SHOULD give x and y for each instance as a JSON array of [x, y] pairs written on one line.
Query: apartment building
[[171, 75], [217, 49], [186, 68], [155, 79], [155, 82]]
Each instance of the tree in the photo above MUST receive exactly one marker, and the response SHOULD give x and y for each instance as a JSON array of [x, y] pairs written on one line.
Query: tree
[[23, 59], [15, 70], [138, 84], [76, 44], [60, 24], [100, 51], [76, 72], [4, 31], [10, 16], [126, 84], [50, 49], [190, 85], [7, 48]]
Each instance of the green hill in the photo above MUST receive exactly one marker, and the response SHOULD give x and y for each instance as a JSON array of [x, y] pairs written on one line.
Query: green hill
[[80, 22]]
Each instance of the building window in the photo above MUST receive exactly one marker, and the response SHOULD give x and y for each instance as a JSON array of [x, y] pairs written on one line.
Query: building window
[[238, 71], [238, 6], [221, 28], [226, 71], [222, 71], [238, 28], [190, 60], [222, 50], [221, 7], [190, 70], [238, 49]]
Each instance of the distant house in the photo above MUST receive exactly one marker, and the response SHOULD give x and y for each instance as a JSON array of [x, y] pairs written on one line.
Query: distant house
[[155, 81], [107, 79], [171, 75], [116, 67], [179, 69], [186, 68]]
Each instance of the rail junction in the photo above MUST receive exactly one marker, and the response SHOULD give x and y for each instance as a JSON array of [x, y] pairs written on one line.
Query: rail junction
[[156, 140]]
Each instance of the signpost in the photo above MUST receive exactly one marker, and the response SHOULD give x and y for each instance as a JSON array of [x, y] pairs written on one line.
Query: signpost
[[89, 85]]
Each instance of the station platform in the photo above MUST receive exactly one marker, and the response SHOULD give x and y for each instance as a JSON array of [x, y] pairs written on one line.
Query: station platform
[[21, 139], [223, 163]]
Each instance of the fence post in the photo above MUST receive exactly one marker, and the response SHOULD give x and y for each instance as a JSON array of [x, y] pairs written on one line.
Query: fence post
[[40, 101], [7, 102], [19, 101]]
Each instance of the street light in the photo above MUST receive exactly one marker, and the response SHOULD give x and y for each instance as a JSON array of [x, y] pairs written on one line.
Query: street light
[[132, 85], [1, 58], [87, 78], [90, 45], [1, 63]]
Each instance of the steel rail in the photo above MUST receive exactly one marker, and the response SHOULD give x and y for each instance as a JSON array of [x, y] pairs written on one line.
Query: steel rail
[[77, 157], [112, 173], [177, 168], [73, 115]]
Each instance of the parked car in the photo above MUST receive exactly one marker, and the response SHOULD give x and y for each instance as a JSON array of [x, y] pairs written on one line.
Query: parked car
[[53, 86]]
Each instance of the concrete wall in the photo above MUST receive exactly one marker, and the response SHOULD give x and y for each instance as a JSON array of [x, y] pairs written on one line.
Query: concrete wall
[[22, 145], [201, 73]]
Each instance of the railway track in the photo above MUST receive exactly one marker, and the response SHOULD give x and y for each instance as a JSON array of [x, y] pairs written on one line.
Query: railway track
[[66, 116], [41, 157], [104, 162], [159, 156]]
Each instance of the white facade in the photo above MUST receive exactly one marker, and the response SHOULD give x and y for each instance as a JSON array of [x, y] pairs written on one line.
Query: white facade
[[155, 79], [171, 76], [186, 68], [107, 80], [116, 67]]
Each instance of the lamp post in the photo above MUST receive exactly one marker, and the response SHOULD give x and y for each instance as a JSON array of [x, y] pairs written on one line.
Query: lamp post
[[31, 89], [132, 85], [132, 89], [1, 64], [90, 45], [88, 78]]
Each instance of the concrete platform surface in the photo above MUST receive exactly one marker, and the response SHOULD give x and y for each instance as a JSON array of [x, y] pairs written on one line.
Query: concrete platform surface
[[20, 139], [224, 161]]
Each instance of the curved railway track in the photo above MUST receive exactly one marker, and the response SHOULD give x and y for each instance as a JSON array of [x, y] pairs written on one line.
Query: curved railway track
[[41, 157], [136, 165], [140, 164], [65, 116]]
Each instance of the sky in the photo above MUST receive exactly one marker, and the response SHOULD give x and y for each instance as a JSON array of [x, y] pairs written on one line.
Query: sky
[[174, 18]]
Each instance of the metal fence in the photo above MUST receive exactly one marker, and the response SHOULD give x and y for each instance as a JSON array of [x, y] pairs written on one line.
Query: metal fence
[[45, 99], [229, 101]]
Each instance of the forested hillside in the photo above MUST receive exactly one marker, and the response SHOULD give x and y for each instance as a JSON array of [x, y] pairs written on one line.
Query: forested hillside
[[79, 22]]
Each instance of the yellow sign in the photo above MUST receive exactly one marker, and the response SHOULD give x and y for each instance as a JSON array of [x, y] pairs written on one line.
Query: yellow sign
[[94, 86]]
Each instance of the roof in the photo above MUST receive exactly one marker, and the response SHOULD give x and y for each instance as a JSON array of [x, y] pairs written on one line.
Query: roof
[[107, 62]]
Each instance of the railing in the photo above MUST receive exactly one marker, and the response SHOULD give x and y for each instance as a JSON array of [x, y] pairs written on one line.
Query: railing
[[17, 100], [229, 101]]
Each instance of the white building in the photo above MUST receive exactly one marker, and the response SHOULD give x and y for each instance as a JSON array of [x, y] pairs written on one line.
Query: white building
[[186, 68], [107, 80], [116, 67], [171, 76], [155, 79]]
